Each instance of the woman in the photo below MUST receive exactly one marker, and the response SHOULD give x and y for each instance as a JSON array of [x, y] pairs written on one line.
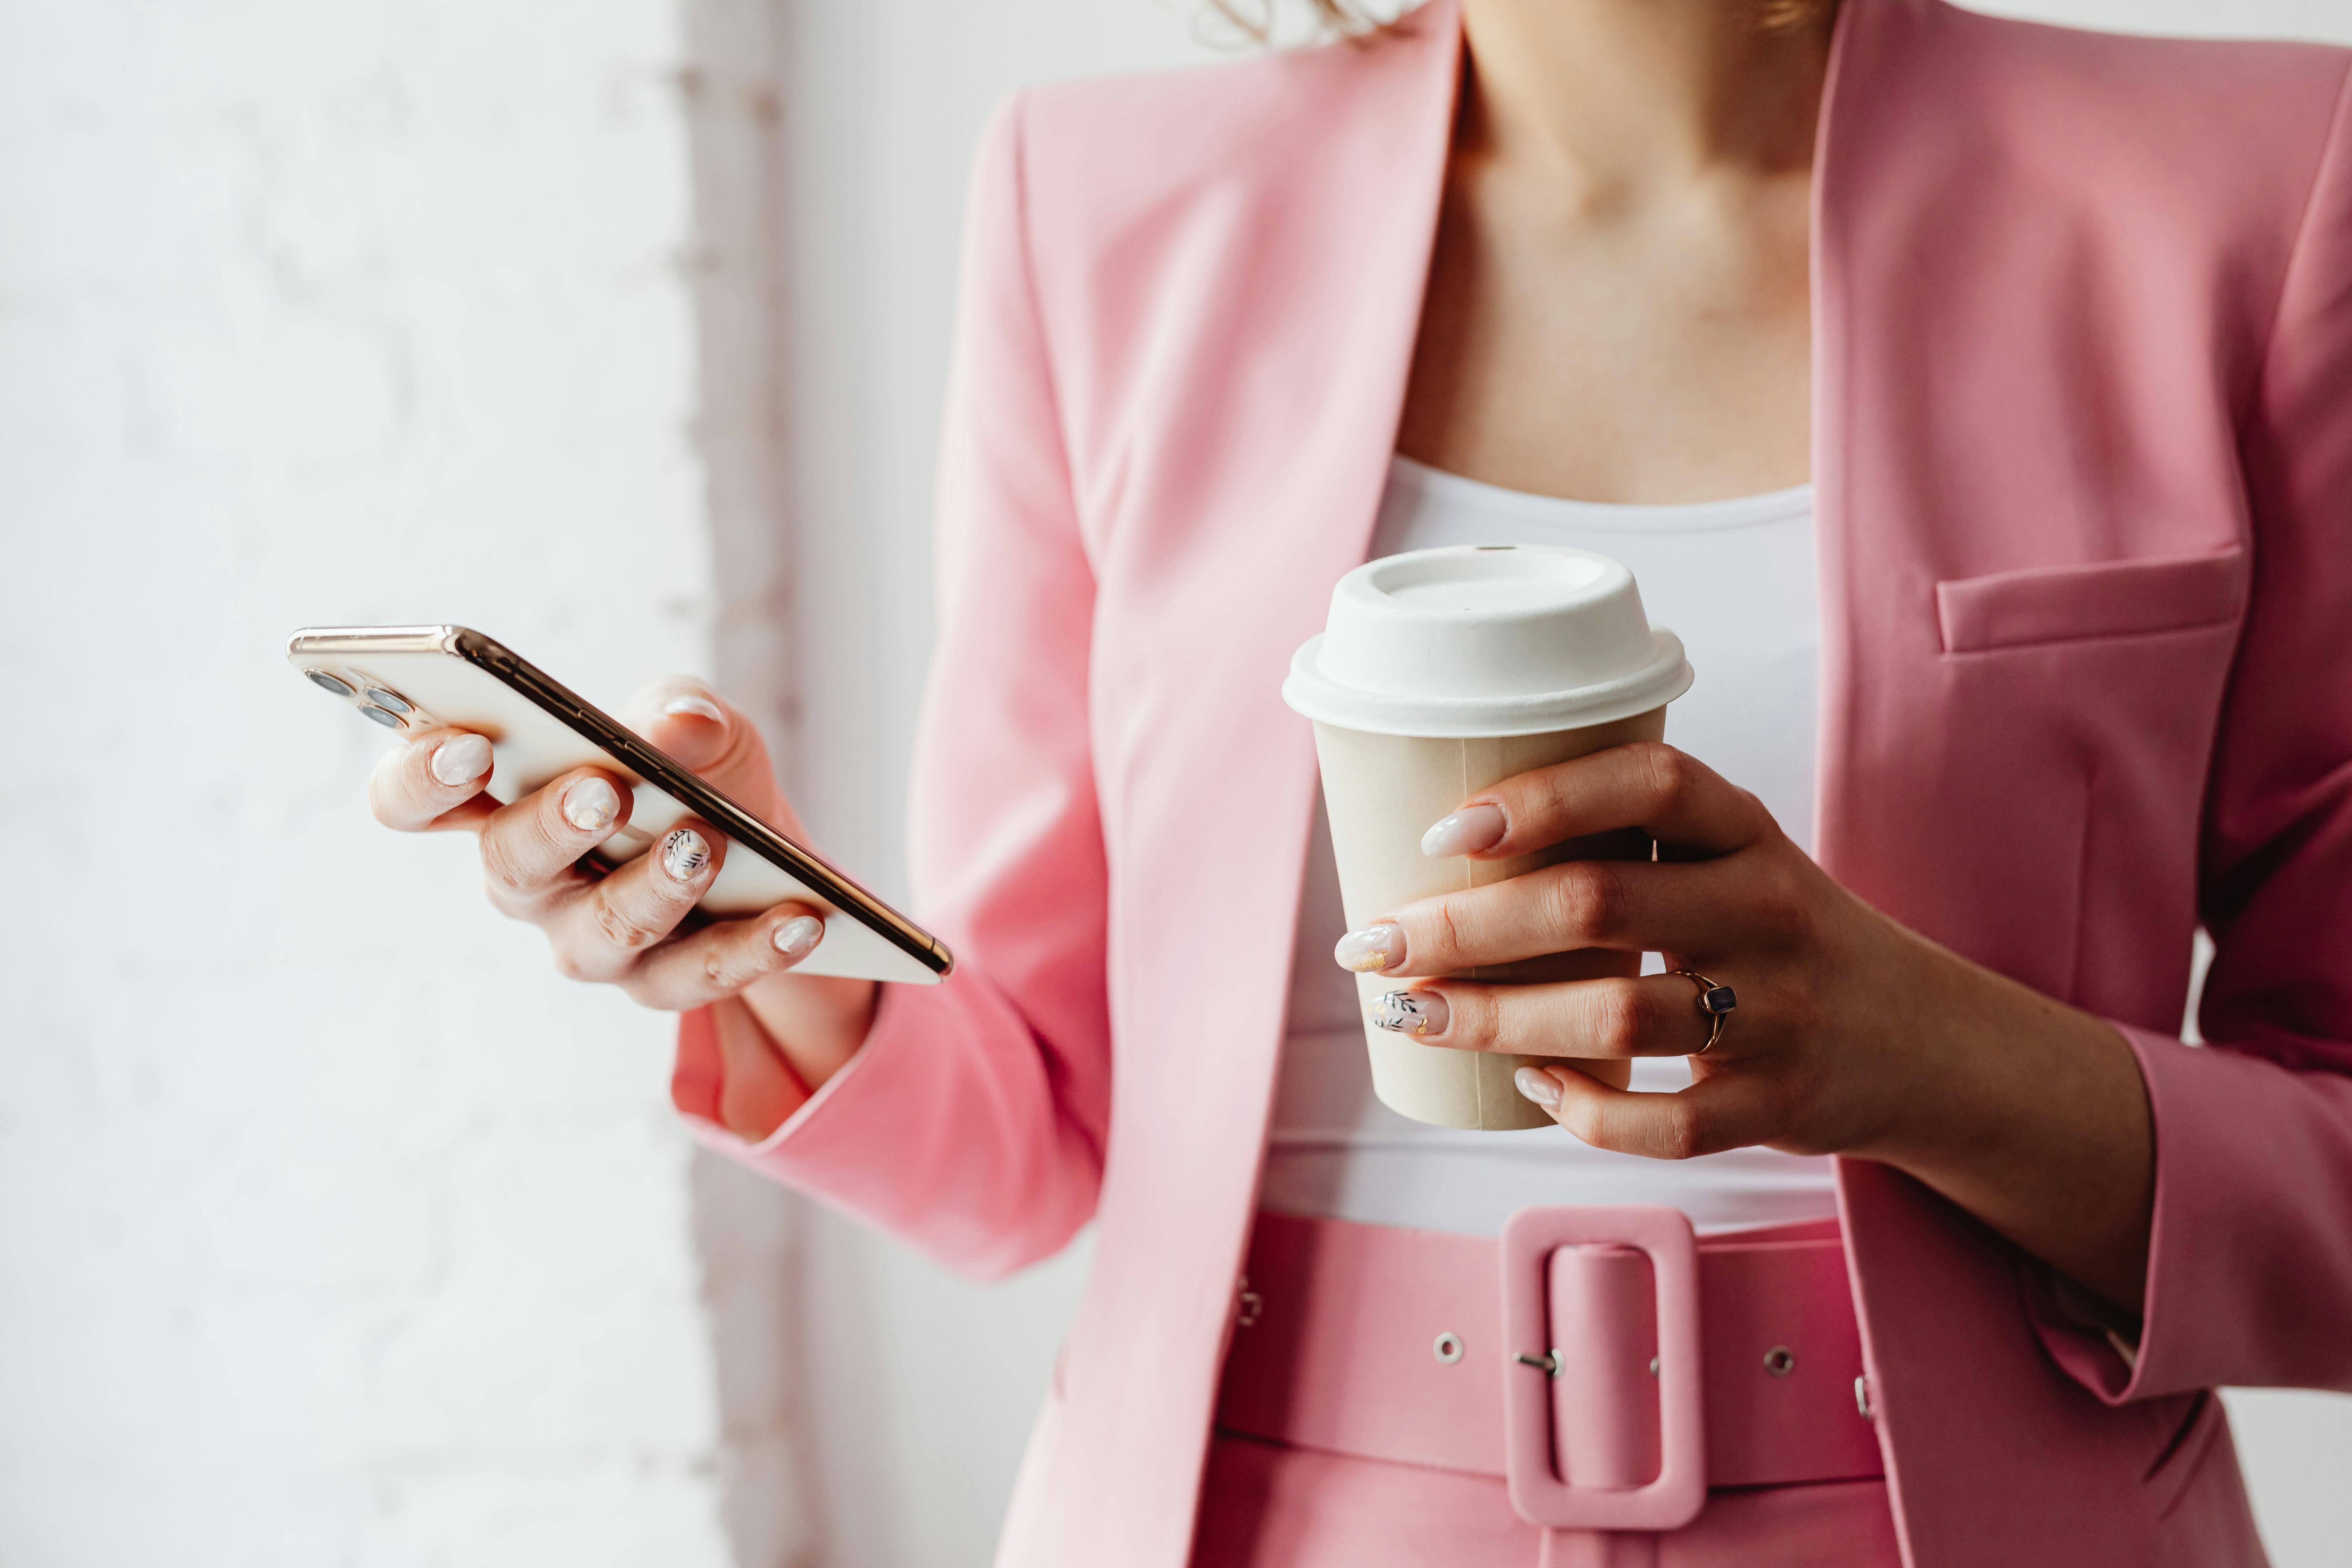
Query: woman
[[2070, 318]]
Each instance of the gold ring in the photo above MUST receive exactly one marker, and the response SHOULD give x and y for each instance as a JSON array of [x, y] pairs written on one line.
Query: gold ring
[[1716, 1000]]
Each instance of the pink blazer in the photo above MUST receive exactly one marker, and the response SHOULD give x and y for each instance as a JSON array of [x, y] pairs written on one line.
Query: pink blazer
[[2083, 452]]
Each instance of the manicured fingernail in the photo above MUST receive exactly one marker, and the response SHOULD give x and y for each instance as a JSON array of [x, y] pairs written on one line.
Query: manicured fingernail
[[1371, 950], [1538, 1086], [1413, 1013], [798, 937], [1467, 831], [461, 759], [701, 707], [684, 855], [590, 805]]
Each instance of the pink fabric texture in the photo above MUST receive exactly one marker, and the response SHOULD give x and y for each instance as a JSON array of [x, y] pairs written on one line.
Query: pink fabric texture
[[2083, 322], [1263, 1506]]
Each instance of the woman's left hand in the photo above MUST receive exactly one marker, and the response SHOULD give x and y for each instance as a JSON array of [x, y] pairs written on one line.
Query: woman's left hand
[[1851, 1035]]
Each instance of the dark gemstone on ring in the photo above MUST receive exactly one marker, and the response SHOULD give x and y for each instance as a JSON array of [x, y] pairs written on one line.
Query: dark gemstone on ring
[[1719, 1000]]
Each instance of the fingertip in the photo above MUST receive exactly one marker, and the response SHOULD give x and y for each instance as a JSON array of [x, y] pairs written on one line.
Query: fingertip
[[797, 937], [654, 696], [1541, 1086], [693, 705], [691, 728], [683, 716], [1375, 948], [426, 780], [460, 757], [1420, 1012], [1473, 830], [594, 802], [689, 852]]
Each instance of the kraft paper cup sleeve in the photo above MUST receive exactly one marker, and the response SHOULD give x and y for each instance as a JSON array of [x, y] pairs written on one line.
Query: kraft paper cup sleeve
[[1382, 792]]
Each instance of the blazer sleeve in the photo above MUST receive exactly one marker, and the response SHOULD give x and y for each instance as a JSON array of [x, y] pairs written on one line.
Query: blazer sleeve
[[2250, 1277], [972, 1121]]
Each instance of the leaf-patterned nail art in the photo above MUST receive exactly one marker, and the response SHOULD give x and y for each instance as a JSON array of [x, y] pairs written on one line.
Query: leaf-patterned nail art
[[1413, 1013], [684, 853]]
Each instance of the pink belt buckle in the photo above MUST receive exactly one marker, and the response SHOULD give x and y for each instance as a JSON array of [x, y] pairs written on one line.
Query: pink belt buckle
[[1538, 1495]]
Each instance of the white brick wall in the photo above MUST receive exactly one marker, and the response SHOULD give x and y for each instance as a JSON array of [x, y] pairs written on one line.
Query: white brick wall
[[334, 1229]]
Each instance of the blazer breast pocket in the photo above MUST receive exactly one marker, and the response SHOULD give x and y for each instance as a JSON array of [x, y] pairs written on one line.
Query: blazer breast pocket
[[2045, 605]]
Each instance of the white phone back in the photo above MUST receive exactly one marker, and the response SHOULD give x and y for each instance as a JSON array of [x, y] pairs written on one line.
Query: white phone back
[[531, 746]]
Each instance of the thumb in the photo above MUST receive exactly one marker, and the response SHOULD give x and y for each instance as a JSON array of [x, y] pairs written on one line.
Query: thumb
[[682, 716]]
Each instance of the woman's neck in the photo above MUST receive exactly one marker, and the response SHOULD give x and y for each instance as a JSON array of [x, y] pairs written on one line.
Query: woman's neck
[[1624, 98]]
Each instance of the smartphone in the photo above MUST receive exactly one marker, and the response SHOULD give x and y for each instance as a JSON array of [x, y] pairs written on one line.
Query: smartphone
[[420, 678]]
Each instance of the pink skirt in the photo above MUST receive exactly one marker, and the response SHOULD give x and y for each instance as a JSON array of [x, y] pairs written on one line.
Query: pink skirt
[[1266, 1506]]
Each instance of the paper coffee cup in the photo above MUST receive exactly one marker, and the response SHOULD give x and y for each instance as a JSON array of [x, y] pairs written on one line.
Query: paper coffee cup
[[1438, 674]]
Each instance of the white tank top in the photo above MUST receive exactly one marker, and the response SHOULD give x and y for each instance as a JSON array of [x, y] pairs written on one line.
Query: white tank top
[[1735, 580]]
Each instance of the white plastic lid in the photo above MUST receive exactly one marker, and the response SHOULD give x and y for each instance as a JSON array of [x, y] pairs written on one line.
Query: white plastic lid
[[1486, 639]]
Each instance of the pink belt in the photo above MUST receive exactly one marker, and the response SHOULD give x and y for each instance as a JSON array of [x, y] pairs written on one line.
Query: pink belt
[[1606, 1364]]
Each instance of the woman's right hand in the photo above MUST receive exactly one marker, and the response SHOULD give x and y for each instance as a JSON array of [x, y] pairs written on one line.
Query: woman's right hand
[[781, 1035]]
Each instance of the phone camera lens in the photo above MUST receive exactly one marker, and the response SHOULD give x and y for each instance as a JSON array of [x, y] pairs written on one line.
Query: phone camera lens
[[383, 716], [325, 682], [392, 699]]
